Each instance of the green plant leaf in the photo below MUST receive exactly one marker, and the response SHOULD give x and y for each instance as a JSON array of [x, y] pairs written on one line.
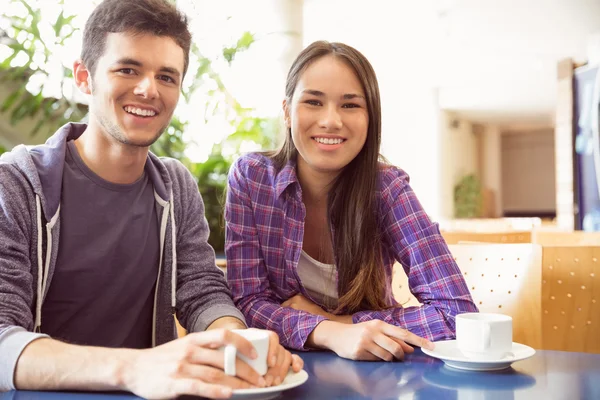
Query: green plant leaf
[[11, 99]]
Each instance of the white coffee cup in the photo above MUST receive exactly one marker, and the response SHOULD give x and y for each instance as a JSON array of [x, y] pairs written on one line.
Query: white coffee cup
[[482, 336], [260, 341]]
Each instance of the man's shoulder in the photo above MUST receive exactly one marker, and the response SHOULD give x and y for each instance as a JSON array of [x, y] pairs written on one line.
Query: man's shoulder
[[12, 178], [16, 193]]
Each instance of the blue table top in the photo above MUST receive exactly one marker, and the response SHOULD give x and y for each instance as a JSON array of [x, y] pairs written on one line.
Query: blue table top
[[547, 375]]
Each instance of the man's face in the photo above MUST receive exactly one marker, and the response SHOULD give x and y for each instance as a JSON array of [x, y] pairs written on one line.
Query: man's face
[[136, 87]]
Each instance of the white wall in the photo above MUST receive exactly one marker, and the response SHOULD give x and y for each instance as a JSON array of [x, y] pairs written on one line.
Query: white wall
[[459, 157], [491, 164], [528, 174], [402, 48]]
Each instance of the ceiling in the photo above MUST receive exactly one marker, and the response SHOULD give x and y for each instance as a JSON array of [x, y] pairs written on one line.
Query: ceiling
[[494, 61], [501, 56]]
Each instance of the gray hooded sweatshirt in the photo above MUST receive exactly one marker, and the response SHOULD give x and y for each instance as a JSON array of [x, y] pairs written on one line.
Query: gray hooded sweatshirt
[[188, 282]]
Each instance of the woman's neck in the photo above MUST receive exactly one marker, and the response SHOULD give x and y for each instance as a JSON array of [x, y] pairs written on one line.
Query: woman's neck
[[315, 184]]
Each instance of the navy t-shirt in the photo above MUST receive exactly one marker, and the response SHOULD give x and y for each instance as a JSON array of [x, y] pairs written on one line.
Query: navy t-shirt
[[102, 290]]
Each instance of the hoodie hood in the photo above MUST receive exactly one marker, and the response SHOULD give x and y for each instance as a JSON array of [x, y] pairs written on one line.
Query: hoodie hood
[[43, 167]]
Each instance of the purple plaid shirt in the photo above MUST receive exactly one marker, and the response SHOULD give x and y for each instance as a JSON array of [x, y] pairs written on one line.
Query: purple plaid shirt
[[265, 229]]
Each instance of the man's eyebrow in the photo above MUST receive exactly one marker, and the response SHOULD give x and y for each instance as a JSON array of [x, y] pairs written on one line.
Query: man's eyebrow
[[132, 61], [129, 61], [170, 70]]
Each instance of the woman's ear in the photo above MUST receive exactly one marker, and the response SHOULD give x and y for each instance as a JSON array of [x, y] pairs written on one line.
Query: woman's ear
[[83, 77], [286, 114]]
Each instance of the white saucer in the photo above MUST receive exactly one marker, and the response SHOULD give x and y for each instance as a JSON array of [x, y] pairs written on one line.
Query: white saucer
[[291, 381], [448, 352]]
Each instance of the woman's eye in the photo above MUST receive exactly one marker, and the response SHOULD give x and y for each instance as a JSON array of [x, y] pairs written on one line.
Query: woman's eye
[[313, 102], [350, 105], [126, 71]]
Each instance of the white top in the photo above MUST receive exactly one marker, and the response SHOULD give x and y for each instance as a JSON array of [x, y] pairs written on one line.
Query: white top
[[319, 280]]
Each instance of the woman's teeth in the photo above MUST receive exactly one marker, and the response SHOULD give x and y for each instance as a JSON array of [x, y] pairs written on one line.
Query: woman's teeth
[[328, 140]]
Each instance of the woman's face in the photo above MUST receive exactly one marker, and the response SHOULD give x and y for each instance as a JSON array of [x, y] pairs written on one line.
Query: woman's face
[[328, 116]]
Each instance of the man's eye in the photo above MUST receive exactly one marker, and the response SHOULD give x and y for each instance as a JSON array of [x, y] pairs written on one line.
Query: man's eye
[[166, 78], [126, 71]]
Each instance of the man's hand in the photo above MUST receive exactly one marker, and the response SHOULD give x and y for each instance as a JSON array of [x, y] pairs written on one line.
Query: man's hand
[[192, 365], [279, 361], [299, 302]]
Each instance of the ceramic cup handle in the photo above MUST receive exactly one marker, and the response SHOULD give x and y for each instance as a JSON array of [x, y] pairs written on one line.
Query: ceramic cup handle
[[230, 356]]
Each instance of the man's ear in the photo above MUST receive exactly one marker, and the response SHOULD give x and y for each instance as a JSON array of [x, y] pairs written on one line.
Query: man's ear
[[83, 77], [287, 118]]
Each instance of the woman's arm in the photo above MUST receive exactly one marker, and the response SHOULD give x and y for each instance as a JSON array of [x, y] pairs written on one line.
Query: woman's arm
[[247, 274], [433, 275]]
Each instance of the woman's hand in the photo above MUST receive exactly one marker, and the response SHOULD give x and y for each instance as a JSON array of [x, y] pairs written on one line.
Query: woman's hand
[[372, 340]]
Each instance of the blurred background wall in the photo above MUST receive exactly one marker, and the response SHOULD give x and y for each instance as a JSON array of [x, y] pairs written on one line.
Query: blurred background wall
[[469, 87]]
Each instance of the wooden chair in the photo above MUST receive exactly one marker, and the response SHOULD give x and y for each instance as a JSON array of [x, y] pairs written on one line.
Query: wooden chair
[[558, 238], [571, 298], [181, 332], [489, 224], [487, 237], [502, 278]]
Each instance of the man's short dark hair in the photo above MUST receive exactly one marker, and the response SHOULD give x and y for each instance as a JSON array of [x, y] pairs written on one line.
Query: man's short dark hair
[[156, 17]]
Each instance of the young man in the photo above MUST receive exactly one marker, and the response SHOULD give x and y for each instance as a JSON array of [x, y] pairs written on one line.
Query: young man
[[101, 241]]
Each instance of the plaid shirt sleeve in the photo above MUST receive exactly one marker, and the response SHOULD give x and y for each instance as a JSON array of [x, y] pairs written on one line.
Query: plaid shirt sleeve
[[433, 275], [247, 272]]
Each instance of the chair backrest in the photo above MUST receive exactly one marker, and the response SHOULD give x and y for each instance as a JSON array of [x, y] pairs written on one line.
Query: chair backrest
[[489, 224], [487, 237], [557, 238], [502, 278], [571, 298]]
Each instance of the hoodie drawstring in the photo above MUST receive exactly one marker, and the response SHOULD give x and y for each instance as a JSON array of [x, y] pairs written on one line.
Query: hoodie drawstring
[[38, 303], [174, 257], [42, 279], [163, 233]]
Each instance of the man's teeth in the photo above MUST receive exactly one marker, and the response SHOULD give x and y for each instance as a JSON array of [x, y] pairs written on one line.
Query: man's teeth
[[139, 111], [328, 141]]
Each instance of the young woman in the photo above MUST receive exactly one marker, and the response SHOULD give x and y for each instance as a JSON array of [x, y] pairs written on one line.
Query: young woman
[[314, 229]]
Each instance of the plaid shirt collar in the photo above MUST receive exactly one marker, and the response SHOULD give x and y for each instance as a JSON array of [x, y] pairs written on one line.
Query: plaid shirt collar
[[286, 178]]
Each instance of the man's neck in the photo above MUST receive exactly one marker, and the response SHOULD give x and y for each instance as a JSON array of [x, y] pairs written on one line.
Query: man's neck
[[109, 159]]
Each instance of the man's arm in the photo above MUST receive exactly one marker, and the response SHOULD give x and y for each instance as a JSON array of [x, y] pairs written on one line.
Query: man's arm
[[18, 272], [227, 323], [202, 292], [192, 365], [47, 364]]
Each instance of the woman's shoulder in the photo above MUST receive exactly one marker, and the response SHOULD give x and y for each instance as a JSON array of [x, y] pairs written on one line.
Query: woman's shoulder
[[254, 166], [392, 178]]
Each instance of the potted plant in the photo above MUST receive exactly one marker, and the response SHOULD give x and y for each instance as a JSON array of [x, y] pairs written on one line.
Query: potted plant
[[24, 39], [468, 199]]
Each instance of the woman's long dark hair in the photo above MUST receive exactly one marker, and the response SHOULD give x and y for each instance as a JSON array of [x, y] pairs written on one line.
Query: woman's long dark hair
[[352, 204]]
